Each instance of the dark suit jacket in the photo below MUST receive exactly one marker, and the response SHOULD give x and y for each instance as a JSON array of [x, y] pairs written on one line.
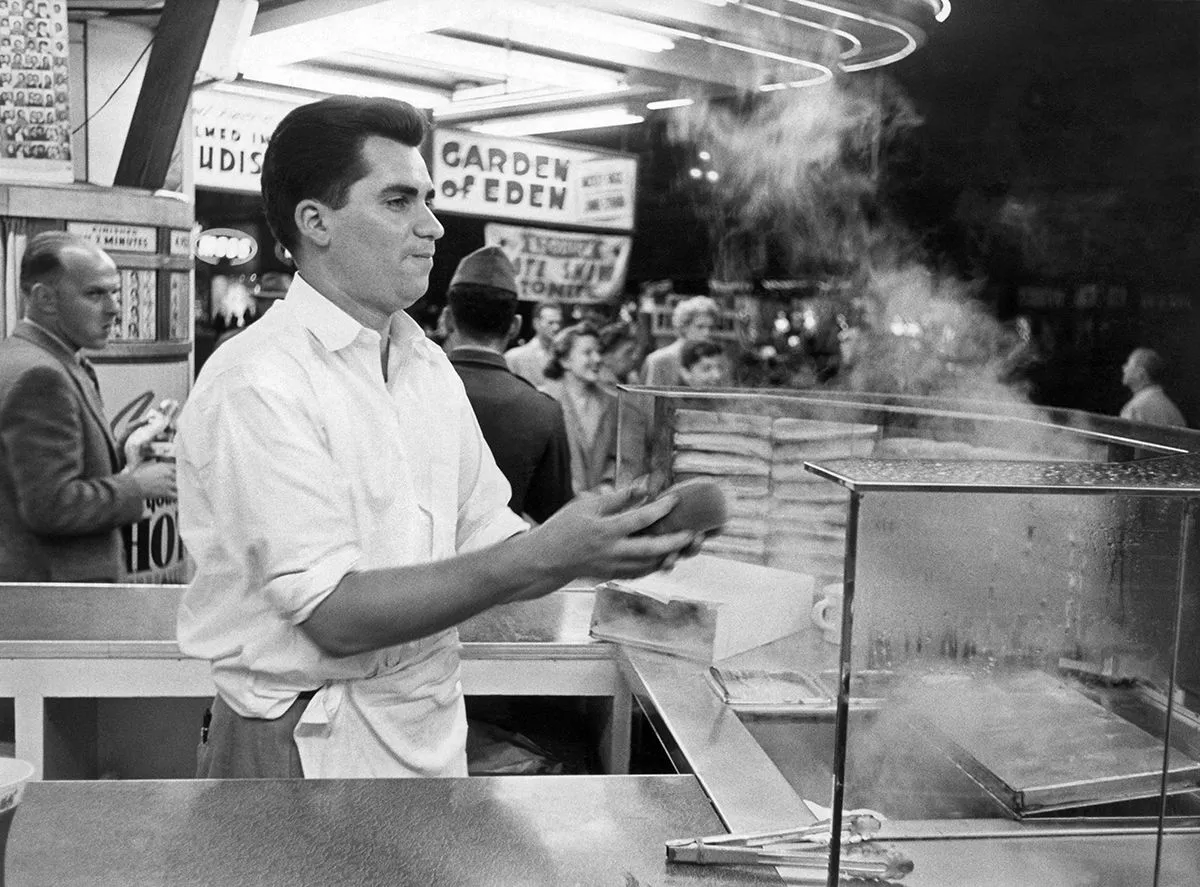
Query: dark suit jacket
[[62, 501], [524, 429]]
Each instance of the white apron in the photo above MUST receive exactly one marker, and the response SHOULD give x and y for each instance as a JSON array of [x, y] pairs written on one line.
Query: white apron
[[409, 720]]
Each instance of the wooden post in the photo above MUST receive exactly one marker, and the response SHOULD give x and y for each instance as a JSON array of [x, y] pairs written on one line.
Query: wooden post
[[179, 43]]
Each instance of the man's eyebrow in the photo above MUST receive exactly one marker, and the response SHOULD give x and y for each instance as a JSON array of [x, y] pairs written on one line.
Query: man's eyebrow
[[406, 191]]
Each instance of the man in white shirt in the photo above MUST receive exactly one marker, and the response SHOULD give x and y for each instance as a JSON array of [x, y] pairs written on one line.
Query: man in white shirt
[[529, 360], [342, 507], [1140, 374]]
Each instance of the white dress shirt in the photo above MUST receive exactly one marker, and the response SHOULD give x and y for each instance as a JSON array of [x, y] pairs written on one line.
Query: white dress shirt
[[1151, 405], [297, 464]]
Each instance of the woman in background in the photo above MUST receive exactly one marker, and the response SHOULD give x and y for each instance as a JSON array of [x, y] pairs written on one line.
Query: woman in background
[[621, 356], [705, 365], [589, 410]]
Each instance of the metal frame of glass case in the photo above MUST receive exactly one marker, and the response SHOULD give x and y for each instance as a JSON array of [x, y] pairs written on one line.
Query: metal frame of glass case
[[1061, 565]]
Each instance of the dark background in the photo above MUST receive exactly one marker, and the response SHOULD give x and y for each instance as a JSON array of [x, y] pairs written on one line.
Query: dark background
[[1059, 149]]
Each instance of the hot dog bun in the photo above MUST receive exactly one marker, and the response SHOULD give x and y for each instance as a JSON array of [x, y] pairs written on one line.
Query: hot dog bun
[[700, 509]]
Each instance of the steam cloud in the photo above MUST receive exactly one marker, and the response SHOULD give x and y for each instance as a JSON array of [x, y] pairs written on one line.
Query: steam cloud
[[799, 194]]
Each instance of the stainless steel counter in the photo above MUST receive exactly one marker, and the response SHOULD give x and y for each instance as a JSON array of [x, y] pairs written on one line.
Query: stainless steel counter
[[527, 830], [491, 832], [707, 738], [98, 641], [121, 620]]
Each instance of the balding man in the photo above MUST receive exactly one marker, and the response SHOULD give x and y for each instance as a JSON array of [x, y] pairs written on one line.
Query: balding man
[[1150, 404], [64, 489]]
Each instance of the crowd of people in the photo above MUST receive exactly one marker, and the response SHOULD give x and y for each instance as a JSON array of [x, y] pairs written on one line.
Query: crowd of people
[[349, 488]]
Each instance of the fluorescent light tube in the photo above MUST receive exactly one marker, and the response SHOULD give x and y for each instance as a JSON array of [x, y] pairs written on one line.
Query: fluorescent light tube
[[565, 122], [669, 103]]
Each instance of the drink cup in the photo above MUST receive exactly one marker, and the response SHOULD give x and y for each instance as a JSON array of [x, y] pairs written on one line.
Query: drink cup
[[14, 774], [827, 613]]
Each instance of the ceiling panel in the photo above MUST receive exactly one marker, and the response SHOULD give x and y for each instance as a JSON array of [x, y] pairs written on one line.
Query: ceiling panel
[[476, 62]]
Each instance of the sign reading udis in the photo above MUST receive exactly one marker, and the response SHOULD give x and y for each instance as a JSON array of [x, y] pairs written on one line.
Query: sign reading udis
[[505, 178], [230, 134]]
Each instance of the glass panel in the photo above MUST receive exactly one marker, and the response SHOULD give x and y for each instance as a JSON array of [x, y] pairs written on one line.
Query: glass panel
[[1011, 659], [1011, 653]]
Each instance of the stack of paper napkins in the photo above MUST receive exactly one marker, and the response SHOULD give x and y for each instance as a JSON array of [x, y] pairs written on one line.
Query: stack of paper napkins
[[706, 608]]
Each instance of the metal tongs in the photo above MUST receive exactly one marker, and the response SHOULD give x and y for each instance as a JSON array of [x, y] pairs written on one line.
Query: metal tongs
[[802, 848]]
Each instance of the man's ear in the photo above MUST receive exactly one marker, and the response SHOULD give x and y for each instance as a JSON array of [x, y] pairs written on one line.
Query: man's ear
[[310, 217], [41, 297], [514, 328], [446, 321]]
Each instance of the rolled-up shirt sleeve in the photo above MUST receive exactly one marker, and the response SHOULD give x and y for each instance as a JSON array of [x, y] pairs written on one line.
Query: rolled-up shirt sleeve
[[260, 493]]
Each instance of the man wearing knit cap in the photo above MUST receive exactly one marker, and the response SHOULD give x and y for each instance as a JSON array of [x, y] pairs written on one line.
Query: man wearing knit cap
[[523, 427]]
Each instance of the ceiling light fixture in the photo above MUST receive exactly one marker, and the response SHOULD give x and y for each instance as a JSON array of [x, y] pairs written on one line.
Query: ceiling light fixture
[[910, 44], [824, 73], [521, 100], [283, 36], [254, 91], [579, 24], [484, 62], [662, 104], [570, 121], [856, 46], [332, 83]]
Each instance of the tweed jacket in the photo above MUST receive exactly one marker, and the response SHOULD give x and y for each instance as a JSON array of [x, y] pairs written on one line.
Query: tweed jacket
[[63, 498]]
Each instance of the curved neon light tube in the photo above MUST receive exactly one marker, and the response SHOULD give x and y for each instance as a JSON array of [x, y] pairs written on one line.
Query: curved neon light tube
[[824, 74], [856, 46], [909, 47], [941, 9]]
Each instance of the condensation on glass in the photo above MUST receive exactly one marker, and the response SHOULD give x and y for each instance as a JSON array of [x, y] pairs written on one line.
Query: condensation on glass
[[1016, 647]]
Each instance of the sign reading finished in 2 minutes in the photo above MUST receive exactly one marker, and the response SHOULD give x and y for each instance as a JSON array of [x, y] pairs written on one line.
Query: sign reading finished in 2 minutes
[[504, 178]]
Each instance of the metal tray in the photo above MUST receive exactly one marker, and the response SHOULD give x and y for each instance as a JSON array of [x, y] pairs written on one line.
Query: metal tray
[[1038, 744]]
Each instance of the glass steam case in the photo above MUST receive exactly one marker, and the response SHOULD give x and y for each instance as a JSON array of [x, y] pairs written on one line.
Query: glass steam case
[[1004, 641]]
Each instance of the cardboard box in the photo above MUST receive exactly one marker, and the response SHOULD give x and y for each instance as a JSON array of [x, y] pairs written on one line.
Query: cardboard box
[[707, 608]]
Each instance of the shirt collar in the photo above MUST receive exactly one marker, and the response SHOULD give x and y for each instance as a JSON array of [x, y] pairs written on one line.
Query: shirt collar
[[472, 354], [336, 329]]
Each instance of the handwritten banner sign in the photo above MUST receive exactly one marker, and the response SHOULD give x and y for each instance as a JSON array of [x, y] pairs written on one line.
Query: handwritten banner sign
[[484, 175], [568, 265], [229, 137]]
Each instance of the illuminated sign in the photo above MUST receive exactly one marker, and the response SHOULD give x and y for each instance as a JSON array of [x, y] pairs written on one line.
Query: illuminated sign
[[229, 135], [531, 181], [225, 245]]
